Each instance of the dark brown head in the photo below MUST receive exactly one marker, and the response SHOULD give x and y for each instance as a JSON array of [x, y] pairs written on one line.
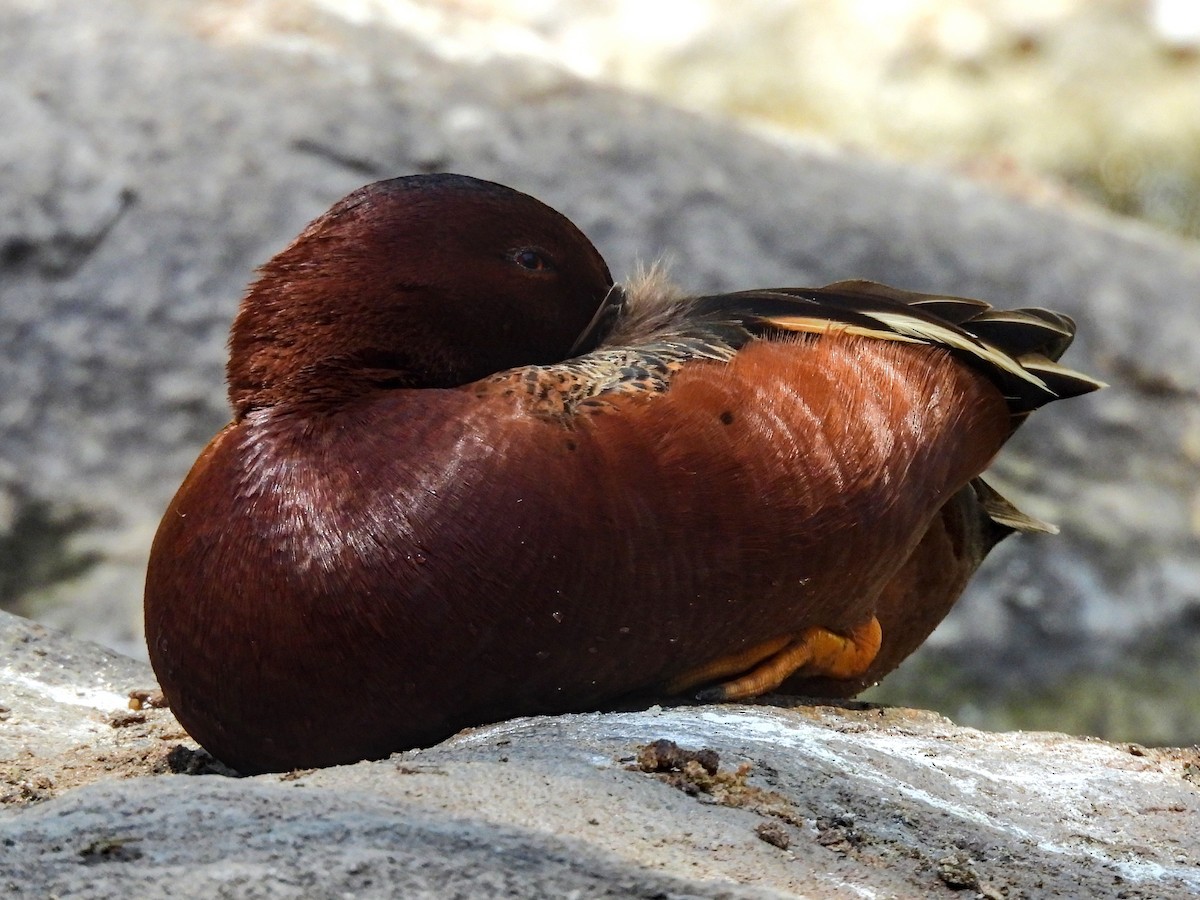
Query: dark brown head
[[424, 281]]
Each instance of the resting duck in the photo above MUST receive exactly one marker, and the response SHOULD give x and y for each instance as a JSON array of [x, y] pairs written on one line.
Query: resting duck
[[469, 478]]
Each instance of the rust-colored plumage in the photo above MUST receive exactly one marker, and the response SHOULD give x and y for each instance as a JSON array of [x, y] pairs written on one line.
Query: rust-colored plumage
[[468, 478]]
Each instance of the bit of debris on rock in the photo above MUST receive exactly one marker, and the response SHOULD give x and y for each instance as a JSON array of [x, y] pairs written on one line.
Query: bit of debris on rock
[[837, 833], [125, 719], [110, 850], [694, 772], [957, 873], [147, 699], [403, 769], [667, 756], [35, 788], [295, 774], [697, 774], [183, 760], [773, 834]]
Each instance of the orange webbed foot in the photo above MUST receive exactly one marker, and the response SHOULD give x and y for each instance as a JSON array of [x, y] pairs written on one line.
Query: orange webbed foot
[[818, 651]]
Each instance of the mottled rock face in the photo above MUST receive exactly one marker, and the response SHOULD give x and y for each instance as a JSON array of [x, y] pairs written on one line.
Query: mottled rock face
[[158, 154], [729, 801]]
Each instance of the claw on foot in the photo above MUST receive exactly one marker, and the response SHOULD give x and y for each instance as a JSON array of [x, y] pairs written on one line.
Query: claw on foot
[[818, 651]]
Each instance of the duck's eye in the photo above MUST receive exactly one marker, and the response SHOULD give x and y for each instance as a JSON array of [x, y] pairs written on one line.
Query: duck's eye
[[531, 259]]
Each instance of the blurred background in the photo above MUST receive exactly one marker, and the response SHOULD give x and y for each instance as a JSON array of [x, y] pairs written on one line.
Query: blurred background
[[1037, 153], [1099, 98]]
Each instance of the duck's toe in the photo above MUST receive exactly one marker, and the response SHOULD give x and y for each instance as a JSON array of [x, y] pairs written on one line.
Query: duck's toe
[[817, 651], [729, 666]]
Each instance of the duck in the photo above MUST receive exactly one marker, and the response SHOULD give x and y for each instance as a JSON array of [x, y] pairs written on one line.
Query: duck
[[468, 478]]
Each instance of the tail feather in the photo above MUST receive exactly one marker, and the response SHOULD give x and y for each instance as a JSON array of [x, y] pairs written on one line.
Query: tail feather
[[1064, 382], [1023, 331], [1003, 513]]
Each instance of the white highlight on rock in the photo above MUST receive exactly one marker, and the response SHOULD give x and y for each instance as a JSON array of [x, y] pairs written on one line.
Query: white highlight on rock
[[1070, 781], [93, 698]]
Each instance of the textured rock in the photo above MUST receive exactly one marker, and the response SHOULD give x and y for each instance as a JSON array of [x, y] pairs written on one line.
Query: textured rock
[[162, 149], [796, 801]]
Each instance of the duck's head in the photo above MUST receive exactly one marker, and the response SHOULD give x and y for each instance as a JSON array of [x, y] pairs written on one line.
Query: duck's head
[[424, 281]]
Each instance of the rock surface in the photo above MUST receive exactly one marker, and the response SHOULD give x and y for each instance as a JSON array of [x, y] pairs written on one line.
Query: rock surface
[[157, 151], [796, 800]]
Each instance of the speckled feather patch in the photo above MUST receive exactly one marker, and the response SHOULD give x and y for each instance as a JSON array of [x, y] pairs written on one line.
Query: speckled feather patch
[[581, 385]]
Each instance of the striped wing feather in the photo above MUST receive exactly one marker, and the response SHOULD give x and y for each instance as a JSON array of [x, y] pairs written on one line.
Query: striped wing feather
[[1016, 349]]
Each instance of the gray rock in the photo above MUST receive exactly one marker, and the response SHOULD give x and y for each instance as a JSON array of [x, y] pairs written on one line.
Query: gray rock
[[157, 151], [804, 801]]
